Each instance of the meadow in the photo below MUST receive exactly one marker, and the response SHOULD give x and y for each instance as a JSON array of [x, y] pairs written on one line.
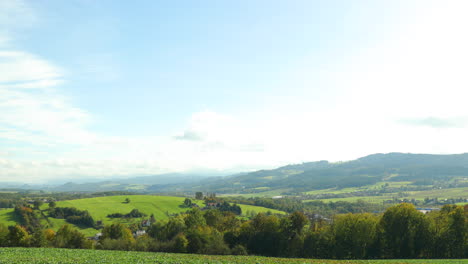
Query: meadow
[[99, 207], [56, 255], [161, 206]]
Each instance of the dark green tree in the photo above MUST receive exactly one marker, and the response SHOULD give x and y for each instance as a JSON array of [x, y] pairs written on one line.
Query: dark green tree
[[52, 204], [37, 204], [68, 237], [187, 202], [405, 232], [195, 219], [3, 235], [354, 235], [18, 236]]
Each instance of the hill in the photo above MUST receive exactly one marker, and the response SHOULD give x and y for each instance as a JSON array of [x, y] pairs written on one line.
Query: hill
[[100, 207], [415, 169], [377, 177]]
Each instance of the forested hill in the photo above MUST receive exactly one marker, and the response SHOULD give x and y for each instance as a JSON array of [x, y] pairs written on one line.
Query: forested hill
[[419, 169]]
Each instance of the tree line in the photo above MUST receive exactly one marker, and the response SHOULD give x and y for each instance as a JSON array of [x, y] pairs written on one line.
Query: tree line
[[399, 232]]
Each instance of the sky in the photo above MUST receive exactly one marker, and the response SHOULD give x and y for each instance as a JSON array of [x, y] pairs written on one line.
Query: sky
[[104, 89]]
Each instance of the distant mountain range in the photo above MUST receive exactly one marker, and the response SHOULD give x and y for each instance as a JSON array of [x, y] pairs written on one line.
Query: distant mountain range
[[419, 169]]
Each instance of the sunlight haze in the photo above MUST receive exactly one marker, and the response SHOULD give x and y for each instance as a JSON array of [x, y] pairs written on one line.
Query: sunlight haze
[[96, 89]]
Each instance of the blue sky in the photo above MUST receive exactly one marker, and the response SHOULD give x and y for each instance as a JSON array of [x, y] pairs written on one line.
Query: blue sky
[[111, 89]]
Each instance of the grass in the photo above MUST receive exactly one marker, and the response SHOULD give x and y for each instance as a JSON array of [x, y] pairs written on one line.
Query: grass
[[257, 209], [371, 199], [56, 255], [161, 206], [418, 195], [99, 207], [441, 193], [377, 185], [268, 194], [7, 217]]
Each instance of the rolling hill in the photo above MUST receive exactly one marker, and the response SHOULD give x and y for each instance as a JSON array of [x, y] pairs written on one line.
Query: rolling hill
[[416, 170], [99, 207], [386, 175]]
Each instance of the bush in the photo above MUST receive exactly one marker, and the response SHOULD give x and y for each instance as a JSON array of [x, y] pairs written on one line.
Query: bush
[[239, 250]]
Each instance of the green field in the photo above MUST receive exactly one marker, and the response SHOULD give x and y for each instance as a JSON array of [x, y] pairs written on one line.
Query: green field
[[267, 194], [56, 255], [7, 217], [160, 206], [375, 186], [99, 207], [441, 193], [370, 199], [418, 195]]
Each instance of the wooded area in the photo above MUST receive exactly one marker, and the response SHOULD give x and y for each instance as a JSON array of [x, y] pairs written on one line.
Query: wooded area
[[400, 232]]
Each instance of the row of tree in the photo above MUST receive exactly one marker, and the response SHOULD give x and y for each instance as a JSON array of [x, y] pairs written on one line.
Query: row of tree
[[400, 232], [73, 216], [328, 209], [134, 213]]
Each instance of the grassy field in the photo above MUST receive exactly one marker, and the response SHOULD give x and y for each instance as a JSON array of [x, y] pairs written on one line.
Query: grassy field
[[418, 195], [160, 206], [257, 209], [99, 207], [54, 255], [370, 199], [267, 194], [441, 193], [375, 186], [7, 217]]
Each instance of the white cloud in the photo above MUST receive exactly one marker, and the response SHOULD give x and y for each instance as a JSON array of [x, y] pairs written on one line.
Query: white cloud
[[417, 72], [20, 67], [31, 105]]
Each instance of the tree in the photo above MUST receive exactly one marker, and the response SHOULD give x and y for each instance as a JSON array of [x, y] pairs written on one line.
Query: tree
[[3, 235], [52, 204], [37, 204], [116, 231], [405, 231], [49, 234], [18, 236], [68, 237], [262, 235], [199, 195], [354, 235], [117, 237], [39, 239], [195, 219], [450, 232], [297, 222], [213, 218], [187, 202], [166, 231], [457, 232], [152, 219], [239, 250], [127, 200], [180, 243], [318, 243], [215, 244]]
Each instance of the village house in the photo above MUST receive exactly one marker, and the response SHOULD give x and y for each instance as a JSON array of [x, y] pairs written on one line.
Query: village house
[[146, 223], [139, 233]]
